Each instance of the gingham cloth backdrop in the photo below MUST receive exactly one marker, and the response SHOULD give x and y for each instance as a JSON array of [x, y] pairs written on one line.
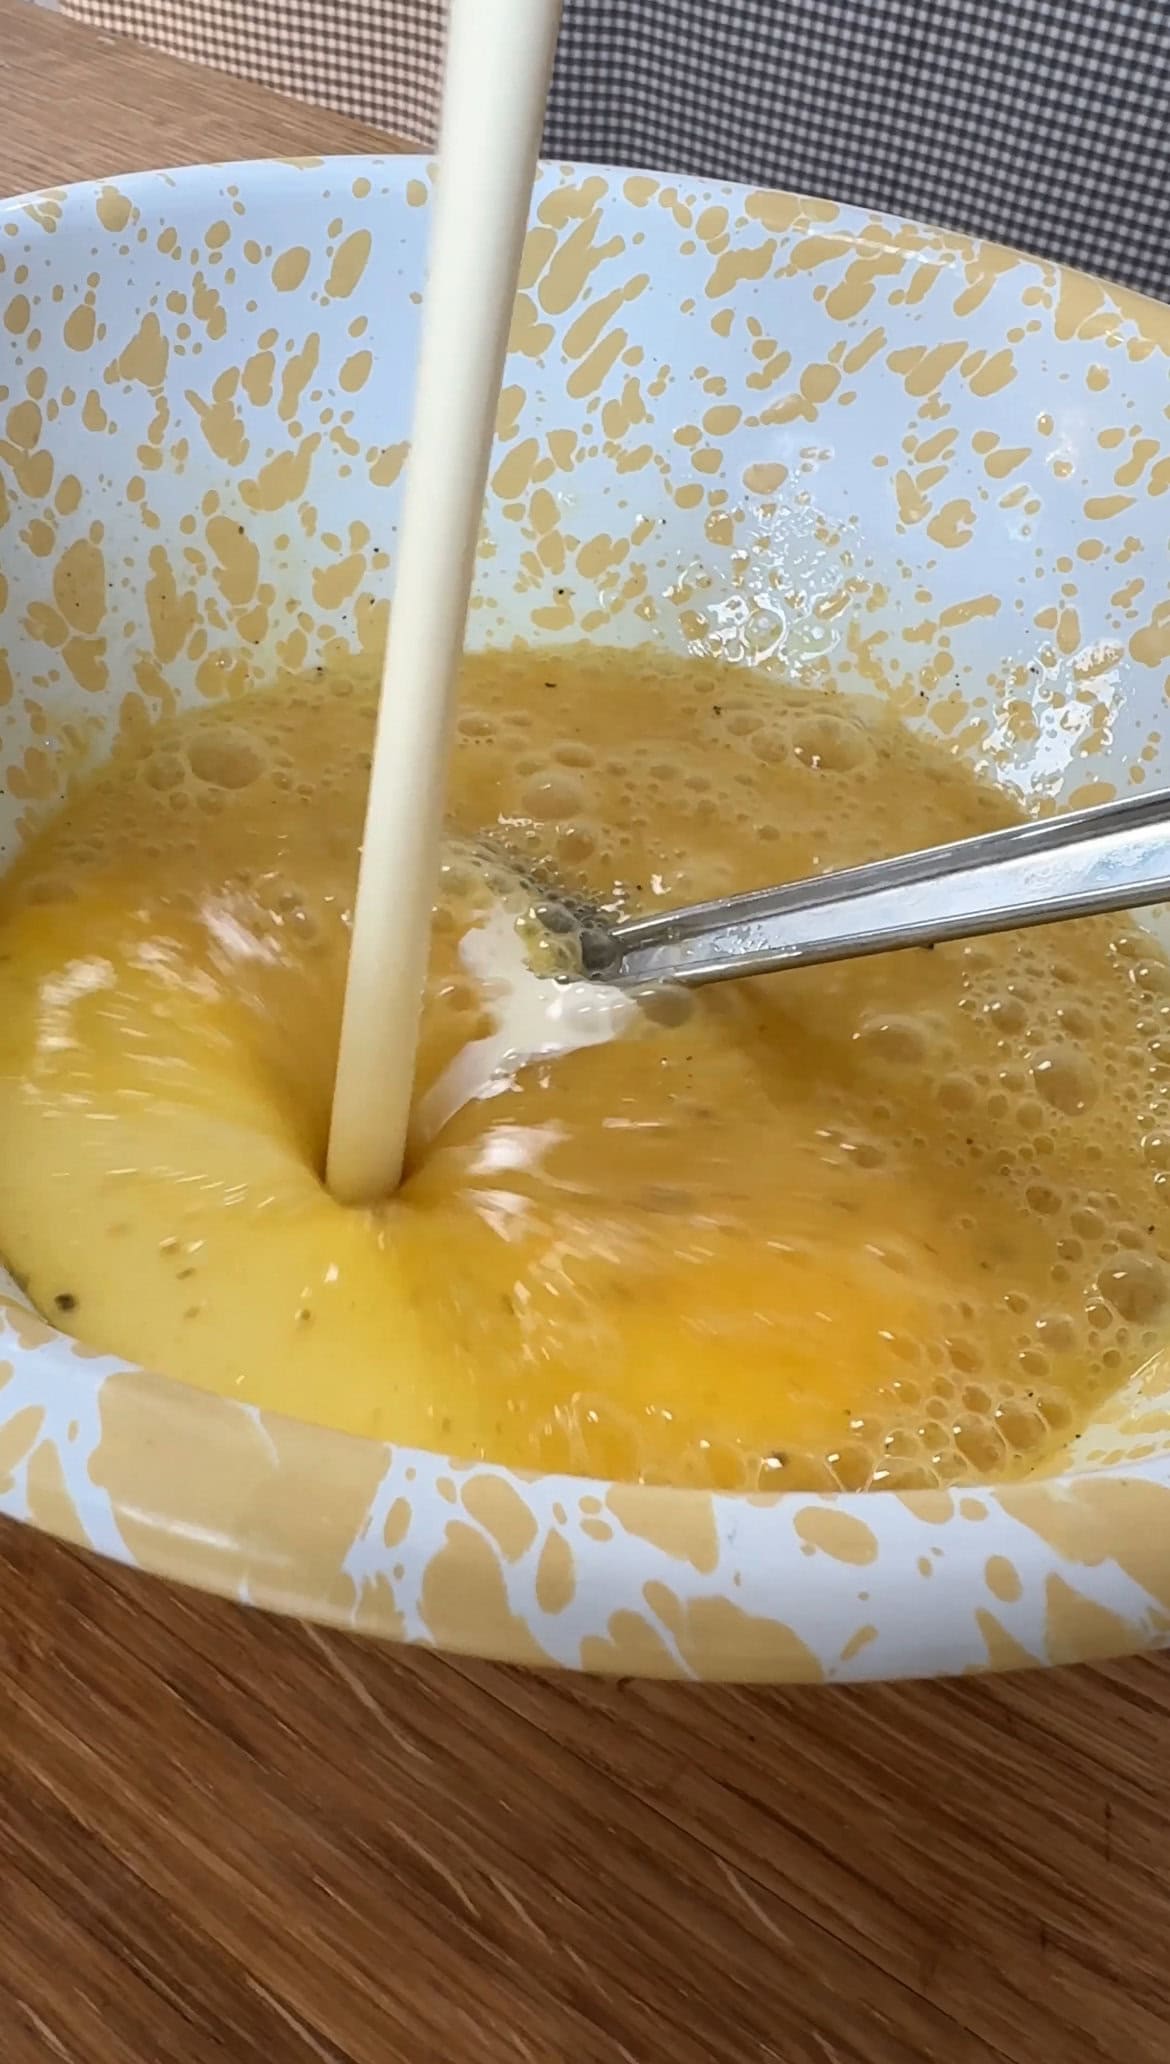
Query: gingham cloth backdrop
[[1042, 123]]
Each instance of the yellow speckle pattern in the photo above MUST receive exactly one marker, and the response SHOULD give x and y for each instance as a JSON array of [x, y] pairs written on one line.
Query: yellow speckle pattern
[[747, 424]]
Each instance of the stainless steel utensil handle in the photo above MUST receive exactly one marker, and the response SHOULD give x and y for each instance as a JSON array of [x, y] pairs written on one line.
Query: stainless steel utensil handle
[[1113, 857]]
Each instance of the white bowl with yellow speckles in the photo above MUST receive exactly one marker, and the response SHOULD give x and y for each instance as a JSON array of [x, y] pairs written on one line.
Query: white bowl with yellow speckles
[[734, 418]]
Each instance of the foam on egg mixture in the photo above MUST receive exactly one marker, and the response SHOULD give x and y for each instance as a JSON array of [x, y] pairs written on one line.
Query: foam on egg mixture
[[902, 1221]]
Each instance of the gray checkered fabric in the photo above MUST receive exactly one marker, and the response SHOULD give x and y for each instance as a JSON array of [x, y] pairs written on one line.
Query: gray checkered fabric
[[1042, 123]]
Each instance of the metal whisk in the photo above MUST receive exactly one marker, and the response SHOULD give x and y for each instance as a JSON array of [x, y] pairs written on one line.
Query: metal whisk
[[1115, 856]]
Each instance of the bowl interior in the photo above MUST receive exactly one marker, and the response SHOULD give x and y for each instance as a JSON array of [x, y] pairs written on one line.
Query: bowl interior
[[745, 424]]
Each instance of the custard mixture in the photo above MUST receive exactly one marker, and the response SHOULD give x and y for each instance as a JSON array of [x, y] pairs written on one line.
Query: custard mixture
[[901, 1222]]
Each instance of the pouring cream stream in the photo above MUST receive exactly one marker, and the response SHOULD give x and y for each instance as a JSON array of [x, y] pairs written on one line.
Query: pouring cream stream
[[499, 55]]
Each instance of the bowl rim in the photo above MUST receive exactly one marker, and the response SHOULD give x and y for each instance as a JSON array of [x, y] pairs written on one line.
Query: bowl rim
[[229, 1516]]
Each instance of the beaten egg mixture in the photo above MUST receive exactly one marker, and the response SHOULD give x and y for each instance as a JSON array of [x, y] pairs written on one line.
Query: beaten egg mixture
[[901, 1222]]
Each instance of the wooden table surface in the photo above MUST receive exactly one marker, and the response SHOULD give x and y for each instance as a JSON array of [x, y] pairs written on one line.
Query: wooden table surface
[[229, 1837]]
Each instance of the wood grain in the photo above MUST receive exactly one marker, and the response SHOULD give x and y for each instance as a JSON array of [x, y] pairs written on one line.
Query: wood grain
[[78, 105], [227, 1837]]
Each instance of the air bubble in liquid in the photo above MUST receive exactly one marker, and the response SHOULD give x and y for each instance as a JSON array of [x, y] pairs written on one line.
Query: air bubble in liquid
[[834, 743], [904, 1041], [1057, 1332], [1006, 1013], [980, 1445], [1021, 1426], [667, 1004], [1135, 1286], [225, 759], [1075, 1020], [551, 795], [576, 843], [965, 1356], [1034, 1364], [956, 1093], [1064, 1078]]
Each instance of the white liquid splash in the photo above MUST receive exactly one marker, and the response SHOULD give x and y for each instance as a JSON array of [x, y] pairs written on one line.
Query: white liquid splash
[[538, 1018]]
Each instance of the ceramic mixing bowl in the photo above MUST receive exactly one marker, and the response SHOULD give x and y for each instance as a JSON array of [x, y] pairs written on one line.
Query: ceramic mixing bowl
[[736, 422]]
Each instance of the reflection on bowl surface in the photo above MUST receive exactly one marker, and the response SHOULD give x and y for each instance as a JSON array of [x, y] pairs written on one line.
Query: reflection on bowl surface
[[863, 525]]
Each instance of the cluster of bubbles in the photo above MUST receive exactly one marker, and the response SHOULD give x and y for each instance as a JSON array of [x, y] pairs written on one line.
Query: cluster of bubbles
[[1061, 1072], [1027, 1070], [1067, 1068]]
